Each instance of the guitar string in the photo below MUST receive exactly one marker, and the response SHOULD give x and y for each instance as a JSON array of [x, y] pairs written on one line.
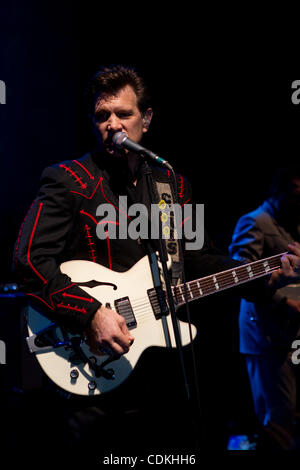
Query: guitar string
[[229, 275], [209, 289], [225, 282]]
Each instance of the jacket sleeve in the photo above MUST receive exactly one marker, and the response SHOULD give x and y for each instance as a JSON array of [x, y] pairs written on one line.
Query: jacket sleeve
[[248, 245], [247, 240], [39, 251]]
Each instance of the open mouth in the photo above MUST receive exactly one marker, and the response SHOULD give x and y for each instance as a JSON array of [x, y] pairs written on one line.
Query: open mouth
[[109, 147], [112, 150]]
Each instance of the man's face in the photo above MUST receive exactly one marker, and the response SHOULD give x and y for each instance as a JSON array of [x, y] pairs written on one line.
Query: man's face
[[119, 113]]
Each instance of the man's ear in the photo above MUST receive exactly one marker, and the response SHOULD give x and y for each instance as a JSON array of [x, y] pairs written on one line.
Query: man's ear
[[147, 119]]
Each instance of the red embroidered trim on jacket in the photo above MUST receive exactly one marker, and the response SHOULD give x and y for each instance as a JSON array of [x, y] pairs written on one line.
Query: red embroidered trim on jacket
[[30, 243], [77, 178], [20, 233], [39, 298], [185, 202], [180, 186], [87, 197], [60, 290], [85, 169], [52, 306], [108, 249], [71, 307], [90, 299], [89, 238], [183, 222], [89, 215]]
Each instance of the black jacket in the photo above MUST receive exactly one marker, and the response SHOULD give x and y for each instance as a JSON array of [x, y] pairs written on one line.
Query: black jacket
[[61, 226]]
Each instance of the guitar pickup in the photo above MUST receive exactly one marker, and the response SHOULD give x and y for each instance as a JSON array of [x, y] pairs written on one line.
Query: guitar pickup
[[158, 302], [123, 307]]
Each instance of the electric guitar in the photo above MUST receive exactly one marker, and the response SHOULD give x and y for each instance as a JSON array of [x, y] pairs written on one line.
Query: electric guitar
[[67, 359]]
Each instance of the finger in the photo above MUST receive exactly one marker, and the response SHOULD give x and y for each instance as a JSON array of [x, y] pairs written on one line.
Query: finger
[[125, 341], [125, 330], [104, 350], [285, 264], [290, 265], [94, 346], [292, 259], [294, 248], [119, 348]]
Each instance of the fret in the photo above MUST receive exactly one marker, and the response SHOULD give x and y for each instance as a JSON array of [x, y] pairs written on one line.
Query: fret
[[199, 288], [181, 293], [221, 280], [266, 266], [250, 272], [235, 276], [190, 290], [245, 273], [208, 285], [216, 283]]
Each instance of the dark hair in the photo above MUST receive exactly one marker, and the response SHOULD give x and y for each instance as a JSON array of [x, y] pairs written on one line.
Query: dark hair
[[109, 80], [281, 180]]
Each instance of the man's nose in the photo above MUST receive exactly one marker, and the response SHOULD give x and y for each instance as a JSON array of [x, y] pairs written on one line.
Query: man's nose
[[114, 123]]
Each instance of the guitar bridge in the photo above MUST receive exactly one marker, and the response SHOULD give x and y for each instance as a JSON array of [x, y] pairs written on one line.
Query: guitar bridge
[[123, 307], [47, 339]]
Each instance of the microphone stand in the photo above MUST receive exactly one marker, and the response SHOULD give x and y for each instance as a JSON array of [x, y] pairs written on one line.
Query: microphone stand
[[164, 258]]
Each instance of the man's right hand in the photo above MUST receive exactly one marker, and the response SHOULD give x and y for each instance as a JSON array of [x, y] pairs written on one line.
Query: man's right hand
[[108, 332]]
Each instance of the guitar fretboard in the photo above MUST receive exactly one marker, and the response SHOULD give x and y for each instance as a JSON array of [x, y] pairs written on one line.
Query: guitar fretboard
[[225, 279]]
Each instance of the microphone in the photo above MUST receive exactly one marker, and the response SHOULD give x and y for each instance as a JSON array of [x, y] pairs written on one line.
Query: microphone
[[121, 140]]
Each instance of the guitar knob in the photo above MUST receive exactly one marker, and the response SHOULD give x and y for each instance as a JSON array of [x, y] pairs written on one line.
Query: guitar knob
[[107, 305], [74, 374], [111, 373], [74, 359], [93, 359], [92, 385]]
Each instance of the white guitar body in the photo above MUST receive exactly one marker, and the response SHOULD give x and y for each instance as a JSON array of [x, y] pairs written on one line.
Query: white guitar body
[[148, 331]]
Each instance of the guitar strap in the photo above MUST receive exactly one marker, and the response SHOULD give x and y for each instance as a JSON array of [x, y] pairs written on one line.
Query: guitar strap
[[165, 196]]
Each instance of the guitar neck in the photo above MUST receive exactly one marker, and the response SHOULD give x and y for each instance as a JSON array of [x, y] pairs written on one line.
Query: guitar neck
[[199, 288]]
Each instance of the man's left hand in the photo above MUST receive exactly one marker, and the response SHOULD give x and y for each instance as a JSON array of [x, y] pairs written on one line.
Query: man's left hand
[[290, 268]]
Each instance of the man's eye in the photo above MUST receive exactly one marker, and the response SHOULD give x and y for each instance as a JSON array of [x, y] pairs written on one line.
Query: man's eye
[[101, 117], [124, 115]]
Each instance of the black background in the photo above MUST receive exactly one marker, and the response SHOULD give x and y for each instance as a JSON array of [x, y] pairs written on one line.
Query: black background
[[223, 117]]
